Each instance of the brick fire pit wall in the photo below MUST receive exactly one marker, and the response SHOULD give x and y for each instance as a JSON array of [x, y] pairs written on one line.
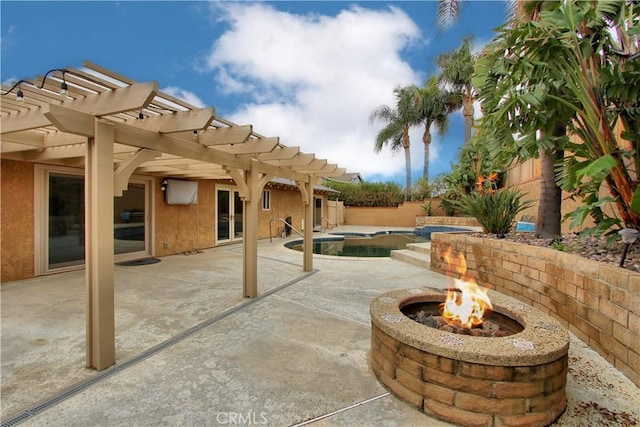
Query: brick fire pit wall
[[597, 302], [473, 381]]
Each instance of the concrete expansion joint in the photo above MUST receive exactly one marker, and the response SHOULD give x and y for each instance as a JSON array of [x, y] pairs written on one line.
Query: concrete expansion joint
[[322, 311], [331, 414]]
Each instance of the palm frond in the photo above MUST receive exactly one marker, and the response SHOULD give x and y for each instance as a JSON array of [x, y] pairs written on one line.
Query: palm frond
[[448, 12]]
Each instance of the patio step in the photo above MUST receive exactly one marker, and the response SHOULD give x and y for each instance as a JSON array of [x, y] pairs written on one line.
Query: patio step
[[424, 248], [411, 256]]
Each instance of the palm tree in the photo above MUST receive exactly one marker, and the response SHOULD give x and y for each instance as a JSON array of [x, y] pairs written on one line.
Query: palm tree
[[548, 222], [433, 105], [456, 71], [396, 132], [509, 110]]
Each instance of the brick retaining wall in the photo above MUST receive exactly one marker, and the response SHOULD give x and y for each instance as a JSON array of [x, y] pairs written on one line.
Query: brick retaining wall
[[599, 303]]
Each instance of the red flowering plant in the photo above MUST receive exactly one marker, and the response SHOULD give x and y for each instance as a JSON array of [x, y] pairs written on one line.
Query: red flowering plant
[[488, 184], [495, 210]]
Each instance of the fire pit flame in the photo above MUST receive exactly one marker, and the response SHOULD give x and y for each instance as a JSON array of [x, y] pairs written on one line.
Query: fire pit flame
[[467, 307]]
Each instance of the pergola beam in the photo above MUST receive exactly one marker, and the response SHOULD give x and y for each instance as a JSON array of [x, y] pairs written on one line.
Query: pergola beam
[[280, 153], [224, 136], [175, 161], [302, 159], [335, 172], [263, 145], [192, 174], [30, 139], [126, 134], [77, 122], [61, 152], [181, 121], [119, 100], [315, 165], [281, 172], [326, 170], [7, 147]]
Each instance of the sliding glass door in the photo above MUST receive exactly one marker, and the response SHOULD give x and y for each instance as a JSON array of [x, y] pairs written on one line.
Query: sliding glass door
[[229, 215], [60, 228], [65, 231], [317, 212], [130, 222]]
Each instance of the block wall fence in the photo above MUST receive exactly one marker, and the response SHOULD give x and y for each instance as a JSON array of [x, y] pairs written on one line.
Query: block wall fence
[[599, 303]]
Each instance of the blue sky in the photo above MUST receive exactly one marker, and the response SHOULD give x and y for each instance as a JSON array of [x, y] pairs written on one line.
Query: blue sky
[[310, 72]]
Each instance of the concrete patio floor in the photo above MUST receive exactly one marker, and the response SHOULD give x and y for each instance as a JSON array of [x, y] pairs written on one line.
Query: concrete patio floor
[[191, 352]]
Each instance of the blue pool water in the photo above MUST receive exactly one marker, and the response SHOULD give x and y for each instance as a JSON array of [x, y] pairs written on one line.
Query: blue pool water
[[379, 244]]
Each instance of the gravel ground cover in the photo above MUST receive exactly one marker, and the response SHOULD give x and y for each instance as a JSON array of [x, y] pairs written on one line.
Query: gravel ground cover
[[593, 248]]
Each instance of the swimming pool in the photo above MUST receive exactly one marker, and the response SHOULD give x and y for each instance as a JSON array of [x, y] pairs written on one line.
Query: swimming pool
[[378, 244]]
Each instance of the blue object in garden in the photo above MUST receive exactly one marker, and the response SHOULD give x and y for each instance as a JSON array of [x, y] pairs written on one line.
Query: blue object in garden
[[525, 226]]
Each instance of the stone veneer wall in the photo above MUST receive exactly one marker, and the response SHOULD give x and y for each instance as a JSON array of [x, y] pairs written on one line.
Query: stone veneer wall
[[599, 303], [447, 220]]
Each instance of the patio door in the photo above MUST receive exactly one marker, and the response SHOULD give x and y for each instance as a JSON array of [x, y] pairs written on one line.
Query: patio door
[[230, 215], [317, 212], [60, 227]]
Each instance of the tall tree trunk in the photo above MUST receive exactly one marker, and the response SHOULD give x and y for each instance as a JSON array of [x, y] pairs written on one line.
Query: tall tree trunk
[[407, 161], [426, 139], [550, 206], [467, 112]]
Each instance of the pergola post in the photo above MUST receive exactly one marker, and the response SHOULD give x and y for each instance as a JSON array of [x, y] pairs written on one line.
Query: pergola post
[[250, 237], [307, 194], [99, 247], [250, 186]]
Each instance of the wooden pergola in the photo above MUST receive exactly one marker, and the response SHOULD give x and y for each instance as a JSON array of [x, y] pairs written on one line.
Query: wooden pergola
[[114, 127]]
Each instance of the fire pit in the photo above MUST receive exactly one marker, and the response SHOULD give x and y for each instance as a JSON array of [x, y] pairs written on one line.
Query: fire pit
[[495, 325], [517, 379]]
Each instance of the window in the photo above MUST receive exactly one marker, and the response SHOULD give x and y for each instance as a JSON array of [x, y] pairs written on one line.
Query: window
[[266, 200]]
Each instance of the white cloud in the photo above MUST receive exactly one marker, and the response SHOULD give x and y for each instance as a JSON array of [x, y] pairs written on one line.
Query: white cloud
[[477, 110], [313, 79], [7, 41], [184, 95], [477, 45], [10, 81]]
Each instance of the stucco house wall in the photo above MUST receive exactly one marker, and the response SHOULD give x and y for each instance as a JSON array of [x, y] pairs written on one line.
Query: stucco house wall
[[175, 228], [17, 215]]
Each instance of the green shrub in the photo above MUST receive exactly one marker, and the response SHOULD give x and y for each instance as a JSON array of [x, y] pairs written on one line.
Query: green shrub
[[367, 194], [421, 189], [427, 208], [495, 211], [449, 204]]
